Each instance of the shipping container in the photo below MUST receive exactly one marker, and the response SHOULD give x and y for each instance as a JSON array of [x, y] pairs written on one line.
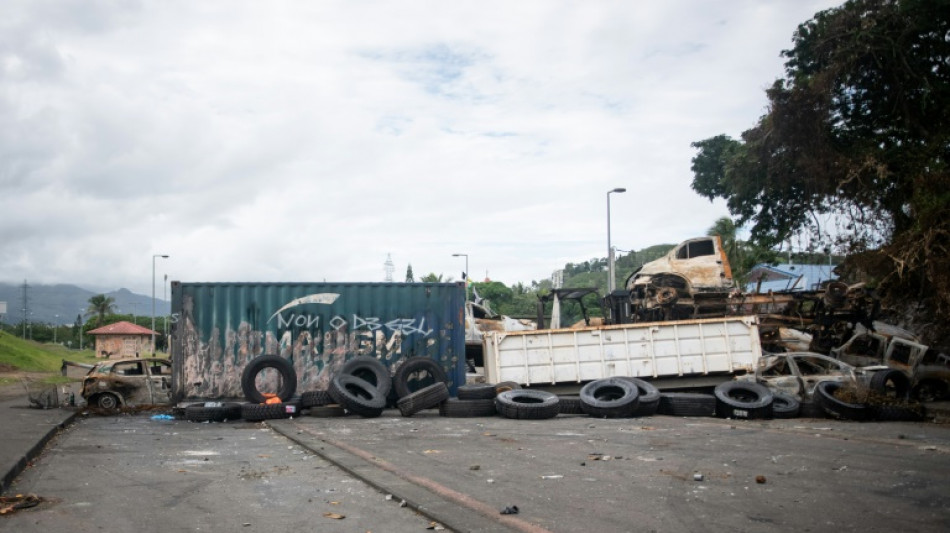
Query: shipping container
[[218, 327], [657, 350]]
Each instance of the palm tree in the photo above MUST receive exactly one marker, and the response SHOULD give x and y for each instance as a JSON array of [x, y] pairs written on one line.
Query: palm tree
[[100, 305]]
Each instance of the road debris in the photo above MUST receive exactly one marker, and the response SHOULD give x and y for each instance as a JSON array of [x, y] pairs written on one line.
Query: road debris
[[10, 504], [512, 509]]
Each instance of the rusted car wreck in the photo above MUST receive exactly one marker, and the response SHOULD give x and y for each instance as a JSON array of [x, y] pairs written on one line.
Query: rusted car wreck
[[128, 382]]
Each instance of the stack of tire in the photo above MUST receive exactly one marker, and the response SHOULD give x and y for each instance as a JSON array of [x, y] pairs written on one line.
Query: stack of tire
[[616, 397], [475, 400], [740, 400], [260, 405]]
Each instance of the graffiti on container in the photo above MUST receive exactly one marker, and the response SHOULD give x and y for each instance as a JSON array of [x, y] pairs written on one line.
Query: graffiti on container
[[317, 347]]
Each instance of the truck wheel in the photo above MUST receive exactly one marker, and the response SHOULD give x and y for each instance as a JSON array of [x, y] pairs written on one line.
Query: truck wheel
[[527, 404], [687, 404], [107, 400], [315, 398], [288, 378], [649, 397], [891, 383], [371, 370], [425, 398], [458, 408], [835, 408], [745, 400], [476, 391], [785, 405], [610, 398], [416, 373], [357, 396], [570, 405]]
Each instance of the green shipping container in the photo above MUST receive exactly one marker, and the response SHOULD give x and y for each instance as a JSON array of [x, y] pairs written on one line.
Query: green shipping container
[[218, 327]]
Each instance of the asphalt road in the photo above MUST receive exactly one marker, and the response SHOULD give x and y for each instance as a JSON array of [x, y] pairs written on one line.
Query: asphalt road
[[571, 473], [132, 473]]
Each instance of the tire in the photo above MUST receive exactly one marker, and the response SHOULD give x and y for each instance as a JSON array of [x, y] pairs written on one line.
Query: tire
[[687, 404], [811, 409], [417, 373], [835, 408], [458, 408], [370, 370], [204, 412], [785, 405], [288, 378], [253, 412], [610, 398], [744, 400], [904, 412], [570, 405], [505, 386], [107, 400], [425, 398], [476, 391], [649, 397], [315, 398], [527, 404], [891, 383], [357, 396], [327, 411]]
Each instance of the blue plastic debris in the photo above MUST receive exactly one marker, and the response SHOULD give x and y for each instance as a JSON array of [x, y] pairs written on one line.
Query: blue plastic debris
[[162, 417]]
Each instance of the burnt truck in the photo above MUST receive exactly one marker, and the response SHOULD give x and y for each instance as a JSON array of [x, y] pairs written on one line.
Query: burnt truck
[[217, 328]]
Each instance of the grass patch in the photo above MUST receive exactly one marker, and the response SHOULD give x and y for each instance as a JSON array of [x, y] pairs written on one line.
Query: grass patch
[[30, 356]]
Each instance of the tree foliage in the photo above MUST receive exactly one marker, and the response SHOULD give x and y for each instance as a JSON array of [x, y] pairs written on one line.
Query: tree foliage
[[854, 148], [100, 305]]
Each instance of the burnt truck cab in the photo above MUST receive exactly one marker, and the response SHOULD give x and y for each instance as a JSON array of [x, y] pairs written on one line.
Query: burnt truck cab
[[691, 281], [128, 382]]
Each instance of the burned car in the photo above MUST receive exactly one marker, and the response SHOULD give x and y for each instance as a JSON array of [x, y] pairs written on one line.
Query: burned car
[[128, 382], [799, 373]]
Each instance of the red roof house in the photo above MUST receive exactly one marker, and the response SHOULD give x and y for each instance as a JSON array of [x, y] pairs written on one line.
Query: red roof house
[[122, 339]]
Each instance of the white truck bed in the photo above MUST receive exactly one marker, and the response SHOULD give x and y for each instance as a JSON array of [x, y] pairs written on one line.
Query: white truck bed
[[646, 350]]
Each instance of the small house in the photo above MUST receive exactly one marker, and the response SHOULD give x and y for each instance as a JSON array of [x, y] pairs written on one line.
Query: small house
[[122, 340]]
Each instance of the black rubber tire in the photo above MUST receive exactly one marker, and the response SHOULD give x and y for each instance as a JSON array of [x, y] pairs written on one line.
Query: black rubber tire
[[687, 404], [744, 400], [407, 379], [610, 398], [811, 409], [253, 412], [504, 386], [649, 397], [904, 412], [370, 370], [525, 404], [425, 398], [217, 413], [891, 383], [327, 411], [570, 405], [357, 395], [785, 405], [315, 398], [458, 408], [288, 378], [476, 391], [107, 400], [835, 408]]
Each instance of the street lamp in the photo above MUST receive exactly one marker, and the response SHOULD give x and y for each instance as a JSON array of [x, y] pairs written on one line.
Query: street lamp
[[610, 250], [153, 298], [466, 273]]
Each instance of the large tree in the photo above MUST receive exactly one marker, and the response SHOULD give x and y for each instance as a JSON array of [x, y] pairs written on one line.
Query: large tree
[[853, 151], [100, 305]]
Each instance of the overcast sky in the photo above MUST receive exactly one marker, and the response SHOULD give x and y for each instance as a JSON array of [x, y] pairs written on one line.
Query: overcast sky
[[306, 141]]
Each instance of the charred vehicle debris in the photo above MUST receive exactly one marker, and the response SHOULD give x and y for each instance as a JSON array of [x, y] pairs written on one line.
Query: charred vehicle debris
[[679, 339]]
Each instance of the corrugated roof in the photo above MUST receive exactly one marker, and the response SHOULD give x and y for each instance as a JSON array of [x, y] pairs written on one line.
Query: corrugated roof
[[121, 328]]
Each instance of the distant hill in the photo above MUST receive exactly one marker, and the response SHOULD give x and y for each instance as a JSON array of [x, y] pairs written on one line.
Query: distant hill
[[52, 304]]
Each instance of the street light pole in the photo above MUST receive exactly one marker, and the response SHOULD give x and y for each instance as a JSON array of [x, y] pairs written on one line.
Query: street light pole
[[163, 256], [610, 249], [467, 275]]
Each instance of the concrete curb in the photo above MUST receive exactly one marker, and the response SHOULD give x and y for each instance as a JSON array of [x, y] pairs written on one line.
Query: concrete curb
[[33, 452]]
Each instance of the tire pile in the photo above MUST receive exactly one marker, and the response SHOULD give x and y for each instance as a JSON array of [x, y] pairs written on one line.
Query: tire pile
[[365, 387]]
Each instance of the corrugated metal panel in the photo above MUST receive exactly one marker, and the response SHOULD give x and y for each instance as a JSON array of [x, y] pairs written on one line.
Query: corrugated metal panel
[[219, 327]]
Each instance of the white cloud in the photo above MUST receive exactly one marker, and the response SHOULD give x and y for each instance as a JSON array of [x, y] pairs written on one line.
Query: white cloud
[[306, 141]]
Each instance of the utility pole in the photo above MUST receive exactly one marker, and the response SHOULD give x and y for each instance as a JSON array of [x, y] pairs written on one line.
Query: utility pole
[[26, 307]]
